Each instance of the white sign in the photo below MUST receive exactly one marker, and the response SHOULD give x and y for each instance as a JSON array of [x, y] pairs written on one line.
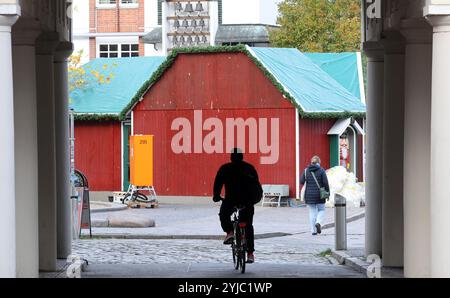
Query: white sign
[[373, 9], [374, 269]]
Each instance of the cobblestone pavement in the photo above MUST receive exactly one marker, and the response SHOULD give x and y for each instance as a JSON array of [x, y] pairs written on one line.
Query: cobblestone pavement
[[184, 251], [295, 249], [211, 271], [297, 255], [203, 220]]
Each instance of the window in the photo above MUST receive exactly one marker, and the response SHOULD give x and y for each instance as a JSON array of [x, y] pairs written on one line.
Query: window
[[220, 7], [250, 44], [109, 51], [129, 3], [113, 3], [159, 12], [106, 3], [118, 50], [129, 50]]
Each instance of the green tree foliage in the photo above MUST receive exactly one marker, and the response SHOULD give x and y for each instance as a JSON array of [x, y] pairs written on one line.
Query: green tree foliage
[[319, 25]]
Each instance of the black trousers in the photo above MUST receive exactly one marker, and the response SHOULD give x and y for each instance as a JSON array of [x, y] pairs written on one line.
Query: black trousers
[[246, 215]]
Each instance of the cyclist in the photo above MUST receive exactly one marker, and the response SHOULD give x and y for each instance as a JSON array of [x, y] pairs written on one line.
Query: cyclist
[[242, 190]]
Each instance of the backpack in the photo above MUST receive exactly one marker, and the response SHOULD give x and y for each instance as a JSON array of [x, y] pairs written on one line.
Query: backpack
[[253, 190]]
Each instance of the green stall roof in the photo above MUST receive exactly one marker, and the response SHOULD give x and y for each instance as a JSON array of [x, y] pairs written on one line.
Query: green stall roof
[[319, 84], [314, 89], [345, 68], [129, 74]]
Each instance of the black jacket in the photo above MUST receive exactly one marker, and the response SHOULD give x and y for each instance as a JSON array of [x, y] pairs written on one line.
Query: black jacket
[[312, 192], [241, 183]]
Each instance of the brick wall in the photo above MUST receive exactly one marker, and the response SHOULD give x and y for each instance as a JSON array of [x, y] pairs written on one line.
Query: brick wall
[[92, 16], [92, 48], [116, 20], [141, 48]]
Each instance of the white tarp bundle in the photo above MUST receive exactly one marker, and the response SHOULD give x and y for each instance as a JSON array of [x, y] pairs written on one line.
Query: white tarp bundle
[[345, 184]]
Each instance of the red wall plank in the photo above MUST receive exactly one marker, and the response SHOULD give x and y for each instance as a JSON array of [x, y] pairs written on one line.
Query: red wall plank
[[98, 154], [221, 85], [193, 174], [213, 81], [315, 141]]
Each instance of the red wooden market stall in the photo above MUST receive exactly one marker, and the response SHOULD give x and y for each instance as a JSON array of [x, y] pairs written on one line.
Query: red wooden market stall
[[286, 107], [98, 153]]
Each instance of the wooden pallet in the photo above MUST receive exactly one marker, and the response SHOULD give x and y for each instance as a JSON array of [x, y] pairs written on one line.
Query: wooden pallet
[[141, 205]]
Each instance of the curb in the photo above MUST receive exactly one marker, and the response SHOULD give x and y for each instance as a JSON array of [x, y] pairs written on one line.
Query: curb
[[105, 223], [175, 237], [349, 220], [353, 262], [359, 265], [109, 209]]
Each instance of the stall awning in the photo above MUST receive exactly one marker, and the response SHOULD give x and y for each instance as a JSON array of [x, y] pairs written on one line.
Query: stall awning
[[341, 126], [153, 37], [242, 33]]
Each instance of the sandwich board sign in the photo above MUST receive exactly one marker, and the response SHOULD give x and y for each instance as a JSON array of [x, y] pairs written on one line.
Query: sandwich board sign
[[86, 213], [77, 208], [82, 212]]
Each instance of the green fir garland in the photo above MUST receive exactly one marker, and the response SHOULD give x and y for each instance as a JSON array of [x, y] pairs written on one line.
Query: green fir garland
[[97, 117], [232, 49], [156, 76]]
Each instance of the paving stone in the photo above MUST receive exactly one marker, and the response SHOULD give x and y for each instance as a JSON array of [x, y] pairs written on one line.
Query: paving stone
[[128, 220], [297, 255]]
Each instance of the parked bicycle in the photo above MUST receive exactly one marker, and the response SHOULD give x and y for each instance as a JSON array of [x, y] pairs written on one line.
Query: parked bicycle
[[137, 196], [239, 245]]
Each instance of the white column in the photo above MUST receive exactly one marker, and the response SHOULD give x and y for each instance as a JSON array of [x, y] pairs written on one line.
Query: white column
[[25, 33], [374, 147], [393, 127], [440, 142], [416, 179], [45, 47], [7, 186], [64, 230]]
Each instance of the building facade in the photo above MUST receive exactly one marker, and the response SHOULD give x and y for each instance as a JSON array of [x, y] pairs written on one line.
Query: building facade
[[128, 28], [408, 99], [408, 96], [35, 218], [114, 28]]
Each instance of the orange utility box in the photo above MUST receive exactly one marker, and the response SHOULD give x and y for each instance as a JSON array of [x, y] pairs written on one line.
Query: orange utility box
[[141, 160]]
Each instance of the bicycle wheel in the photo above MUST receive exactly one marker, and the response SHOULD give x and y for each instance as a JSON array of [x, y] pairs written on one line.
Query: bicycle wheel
[[243, 261], [237, 249], [126, 199], [233, 250], [243, 250], [140, 197]]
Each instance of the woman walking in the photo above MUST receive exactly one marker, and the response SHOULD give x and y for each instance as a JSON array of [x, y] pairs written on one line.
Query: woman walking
[[315, 178]]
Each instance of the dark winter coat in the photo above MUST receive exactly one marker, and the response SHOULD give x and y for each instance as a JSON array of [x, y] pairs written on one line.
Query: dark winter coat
[[241, 183], [312, 192]]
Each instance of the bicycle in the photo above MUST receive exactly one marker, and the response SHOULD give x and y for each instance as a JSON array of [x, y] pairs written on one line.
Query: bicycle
[[239, 245], [137, 196]]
